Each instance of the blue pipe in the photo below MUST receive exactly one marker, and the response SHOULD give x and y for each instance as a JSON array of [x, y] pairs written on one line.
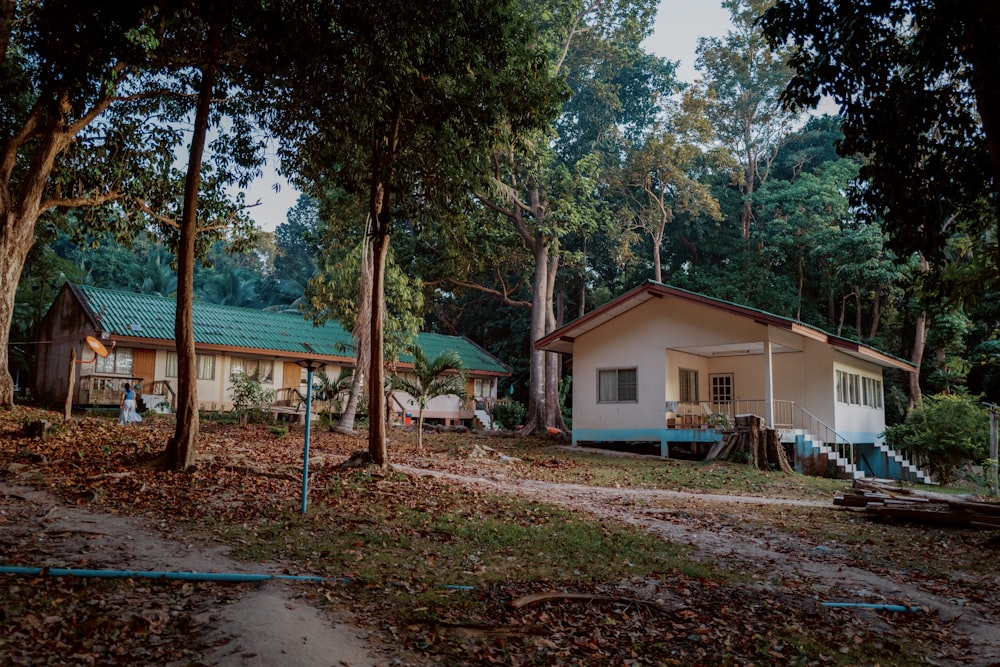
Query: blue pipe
[[151, 574], [865, 605]]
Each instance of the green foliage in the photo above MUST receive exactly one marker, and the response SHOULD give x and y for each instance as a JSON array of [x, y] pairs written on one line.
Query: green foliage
[[906, 76], [331, 393], [948, 430], [442, 376], [508, 413], [250, 400]]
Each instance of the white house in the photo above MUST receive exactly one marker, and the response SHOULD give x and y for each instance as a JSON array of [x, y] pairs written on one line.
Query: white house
[[663, 365], [138, 332]]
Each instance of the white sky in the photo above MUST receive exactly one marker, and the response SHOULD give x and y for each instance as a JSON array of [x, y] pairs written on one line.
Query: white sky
[[679, 24]]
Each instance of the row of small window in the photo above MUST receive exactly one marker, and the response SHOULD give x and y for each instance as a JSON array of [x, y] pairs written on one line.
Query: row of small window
[[120, 362], [618, 385], [854, 389]]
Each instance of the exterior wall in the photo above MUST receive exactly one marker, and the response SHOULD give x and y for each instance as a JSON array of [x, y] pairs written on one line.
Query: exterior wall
[[647, 338], [857, 423], [634, 340], [65, 328], [449, 408]]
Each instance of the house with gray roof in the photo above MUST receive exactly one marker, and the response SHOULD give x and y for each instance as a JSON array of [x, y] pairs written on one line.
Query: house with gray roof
[[137, 332]]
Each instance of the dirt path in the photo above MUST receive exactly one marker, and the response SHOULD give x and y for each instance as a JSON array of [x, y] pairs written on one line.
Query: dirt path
[[268, 624], [831, 573], [265, 625]]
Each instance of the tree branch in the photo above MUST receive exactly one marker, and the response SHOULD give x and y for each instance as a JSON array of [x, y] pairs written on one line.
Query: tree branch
[[74, 202], [170, 222], [486, 290]]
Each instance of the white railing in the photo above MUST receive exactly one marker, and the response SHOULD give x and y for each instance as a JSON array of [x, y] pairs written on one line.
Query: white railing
[[786, 415]]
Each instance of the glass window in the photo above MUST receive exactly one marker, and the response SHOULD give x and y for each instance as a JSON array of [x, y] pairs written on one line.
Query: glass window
[[617, 385], [118, 362], [262, 369], [854, 389], [689, 385], [205, 364]]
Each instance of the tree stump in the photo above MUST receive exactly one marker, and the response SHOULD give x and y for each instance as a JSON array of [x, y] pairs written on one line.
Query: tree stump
[[751, 442]]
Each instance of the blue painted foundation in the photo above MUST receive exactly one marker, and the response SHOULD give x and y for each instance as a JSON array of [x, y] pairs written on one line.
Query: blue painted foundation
[[663, 436]]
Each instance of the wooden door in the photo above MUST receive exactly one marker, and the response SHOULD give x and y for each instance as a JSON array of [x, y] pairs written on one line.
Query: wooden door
[[291, 377], [144, 365]]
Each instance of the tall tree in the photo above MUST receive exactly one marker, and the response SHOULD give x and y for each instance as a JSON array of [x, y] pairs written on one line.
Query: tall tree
[[743, 81], [63, 65], [918, 87], [546, 187], [396, 112], [661, 178]]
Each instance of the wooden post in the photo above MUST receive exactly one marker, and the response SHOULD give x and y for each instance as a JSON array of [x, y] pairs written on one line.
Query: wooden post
[[68, 408]]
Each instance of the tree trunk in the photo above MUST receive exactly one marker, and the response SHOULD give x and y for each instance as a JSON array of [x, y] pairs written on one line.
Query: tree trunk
[[919, 341], [362, 338], [857, 314], [16, 238], [876, 314], [377, 423], [536, 417], [182, 447], [553, 360], [19, 212], [657, 270]]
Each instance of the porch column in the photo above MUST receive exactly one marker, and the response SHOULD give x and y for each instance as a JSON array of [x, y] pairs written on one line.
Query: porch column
[[768, 386]]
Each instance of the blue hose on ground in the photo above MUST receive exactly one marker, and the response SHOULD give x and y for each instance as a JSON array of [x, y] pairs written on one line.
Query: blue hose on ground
[[866, 605], [151, 574]]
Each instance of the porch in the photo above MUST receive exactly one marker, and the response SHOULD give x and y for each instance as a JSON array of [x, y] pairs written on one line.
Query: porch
[[692, 428]]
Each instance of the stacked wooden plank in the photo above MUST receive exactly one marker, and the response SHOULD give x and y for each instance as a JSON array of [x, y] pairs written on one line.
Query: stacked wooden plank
[[887, 501]]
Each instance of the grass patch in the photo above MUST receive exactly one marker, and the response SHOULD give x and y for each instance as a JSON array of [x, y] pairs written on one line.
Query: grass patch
[[428, 536], [572, 465]]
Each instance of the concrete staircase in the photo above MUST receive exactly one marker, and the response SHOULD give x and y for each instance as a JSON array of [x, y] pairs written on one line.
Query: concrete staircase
[[898, 467], [889, 463], [808, 446], [485, 421]]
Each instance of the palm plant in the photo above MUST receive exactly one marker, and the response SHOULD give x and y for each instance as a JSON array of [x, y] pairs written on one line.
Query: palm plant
[[331, 391], [444, 376]]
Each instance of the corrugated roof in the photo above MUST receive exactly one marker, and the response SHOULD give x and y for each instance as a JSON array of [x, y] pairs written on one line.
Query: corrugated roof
[[561, 340], [133, 315]]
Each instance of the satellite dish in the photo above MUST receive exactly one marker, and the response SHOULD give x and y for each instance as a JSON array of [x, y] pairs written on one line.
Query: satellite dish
[[97, 346]]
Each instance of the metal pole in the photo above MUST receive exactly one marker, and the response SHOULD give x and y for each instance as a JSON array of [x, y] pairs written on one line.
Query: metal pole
[[305, 451]]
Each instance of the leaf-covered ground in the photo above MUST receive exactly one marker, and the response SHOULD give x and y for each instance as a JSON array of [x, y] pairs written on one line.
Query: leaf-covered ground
[[433, 567]]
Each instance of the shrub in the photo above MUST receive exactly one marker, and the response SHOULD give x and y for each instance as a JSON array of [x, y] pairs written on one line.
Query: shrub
[[250, 400], [948, 430], [508, 413]]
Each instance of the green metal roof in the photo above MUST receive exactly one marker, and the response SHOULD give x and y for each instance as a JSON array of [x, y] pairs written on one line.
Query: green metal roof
[[129, 314]]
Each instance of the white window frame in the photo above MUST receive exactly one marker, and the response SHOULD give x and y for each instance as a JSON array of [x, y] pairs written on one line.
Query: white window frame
[[860, 390]]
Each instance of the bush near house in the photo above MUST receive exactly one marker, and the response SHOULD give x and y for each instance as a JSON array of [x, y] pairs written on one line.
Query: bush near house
[[948, 430], [250, 400], [508, 413]]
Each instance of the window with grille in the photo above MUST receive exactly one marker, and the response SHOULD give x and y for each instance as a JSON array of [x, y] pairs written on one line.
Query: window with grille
[[721, 387]]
